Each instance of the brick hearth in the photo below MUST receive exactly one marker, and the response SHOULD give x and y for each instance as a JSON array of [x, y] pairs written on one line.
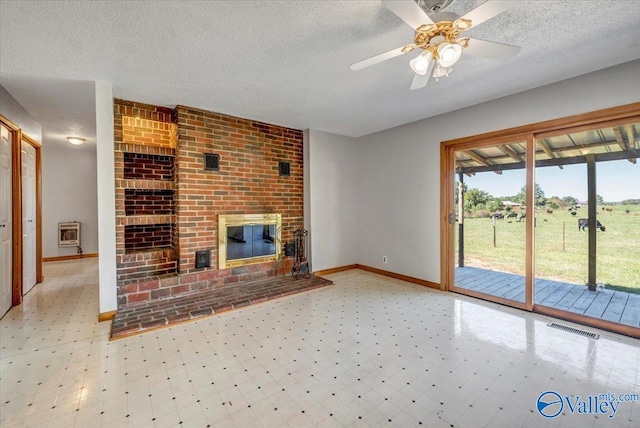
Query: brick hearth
[[150, 315]]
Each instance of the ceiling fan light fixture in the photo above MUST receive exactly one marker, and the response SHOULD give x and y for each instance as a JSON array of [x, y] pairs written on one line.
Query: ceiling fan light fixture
[[420, 64], [76, 141], [448, 54], [440, 71], [436, 40], [437, 34]]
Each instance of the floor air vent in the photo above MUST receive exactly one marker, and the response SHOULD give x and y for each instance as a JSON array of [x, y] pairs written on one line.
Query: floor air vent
[[574, 330]]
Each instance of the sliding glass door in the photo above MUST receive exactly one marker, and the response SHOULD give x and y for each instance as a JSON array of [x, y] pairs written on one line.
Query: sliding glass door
[[587, 252], [546, 217], [490, 234]]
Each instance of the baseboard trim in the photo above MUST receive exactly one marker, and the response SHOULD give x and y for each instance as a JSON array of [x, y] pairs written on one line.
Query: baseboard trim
[[71, 257], [406, 278], [107, 316], [334, 270], [400, 276]]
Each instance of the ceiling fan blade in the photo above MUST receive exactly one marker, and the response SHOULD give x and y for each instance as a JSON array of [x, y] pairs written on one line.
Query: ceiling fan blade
[[419, 80], [491, 50], [378, 58], [408, 11], [488, 10]]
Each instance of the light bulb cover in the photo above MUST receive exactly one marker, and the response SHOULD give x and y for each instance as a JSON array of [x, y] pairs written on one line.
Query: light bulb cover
[[420, 64], [440, 71], [76, 141], [448, 54]]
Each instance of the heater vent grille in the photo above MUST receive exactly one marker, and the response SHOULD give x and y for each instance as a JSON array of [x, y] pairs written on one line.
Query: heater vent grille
[[574, 330]]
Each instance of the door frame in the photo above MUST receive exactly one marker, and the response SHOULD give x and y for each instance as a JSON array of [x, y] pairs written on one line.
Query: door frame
[[17, 137], [528, 133], [447, 245], [38, 159]]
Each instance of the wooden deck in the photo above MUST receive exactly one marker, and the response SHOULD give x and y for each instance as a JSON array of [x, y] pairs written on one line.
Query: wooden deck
[[610, 305]]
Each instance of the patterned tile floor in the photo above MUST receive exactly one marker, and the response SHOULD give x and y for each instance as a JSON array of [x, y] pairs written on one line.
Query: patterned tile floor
[[159, 313], [369, 352]]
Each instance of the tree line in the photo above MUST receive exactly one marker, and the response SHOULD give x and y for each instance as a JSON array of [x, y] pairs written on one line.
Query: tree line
[[480, 203]]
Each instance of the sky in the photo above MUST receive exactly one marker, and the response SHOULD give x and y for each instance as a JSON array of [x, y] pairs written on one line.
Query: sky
[[615, 181]]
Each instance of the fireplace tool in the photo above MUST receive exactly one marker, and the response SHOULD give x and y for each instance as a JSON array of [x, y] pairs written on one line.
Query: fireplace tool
[[300, 263]]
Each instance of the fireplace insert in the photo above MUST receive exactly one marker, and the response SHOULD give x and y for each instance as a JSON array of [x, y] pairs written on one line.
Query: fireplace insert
[[248, 238]]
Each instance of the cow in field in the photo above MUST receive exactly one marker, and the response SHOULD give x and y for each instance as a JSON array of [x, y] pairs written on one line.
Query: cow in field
[[522, 216], [584, 223], [497, 216], [512, 214]]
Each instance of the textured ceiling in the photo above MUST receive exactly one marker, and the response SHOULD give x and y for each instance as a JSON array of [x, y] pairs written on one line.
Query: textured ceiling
[[288, 62]]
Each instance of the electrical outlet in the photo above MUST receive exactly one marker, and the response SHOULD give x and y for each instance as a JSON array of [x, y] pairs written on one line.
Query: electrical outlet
[[384, 259]]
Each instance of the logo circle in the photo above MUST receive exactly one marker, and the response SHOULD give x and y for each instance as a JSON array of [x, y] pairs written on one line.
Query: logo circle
[[550, 404]]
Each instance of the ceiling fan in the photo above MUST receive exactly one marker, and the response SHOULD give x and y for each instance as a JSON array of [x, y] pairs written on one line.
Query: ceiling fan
[[439, 39]]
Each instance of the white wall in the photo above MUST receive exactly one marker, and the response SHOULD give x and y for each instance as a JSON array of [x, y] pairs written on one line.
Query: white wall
[[398, 182], [13, 111], [332, 199], [106, 197], [69, 193]]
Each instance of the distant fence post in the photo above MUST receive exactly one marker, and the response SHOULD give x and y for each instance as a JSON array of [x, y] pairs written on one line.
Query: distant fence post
[[494, 231]]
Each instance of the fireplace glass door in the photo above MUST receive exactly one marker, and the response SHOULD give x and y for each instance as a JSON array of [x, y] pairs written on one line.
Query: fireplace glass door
[[255, 240], [245, 239]]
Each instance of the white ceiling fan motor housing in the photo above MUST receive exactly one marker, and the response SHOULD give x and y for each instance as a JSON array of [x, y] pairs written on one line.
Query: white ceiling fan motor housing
[[444, 16], [433, 6]]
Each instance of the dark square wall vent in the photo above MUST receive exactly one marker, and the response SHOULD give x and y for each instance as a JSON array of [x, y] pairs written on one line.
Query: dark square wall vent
[[211, 162], [289, 249], [203, 259], [284, 169]]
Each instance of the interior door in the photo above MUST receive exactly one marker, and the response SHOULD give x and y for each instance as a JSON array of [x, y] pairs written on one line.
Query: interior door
[[28, 216], [5, 221]]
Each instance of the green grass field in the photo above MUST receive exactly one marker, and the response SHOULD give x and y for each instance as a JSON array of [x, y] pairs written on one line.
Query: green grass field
[[618, 248]]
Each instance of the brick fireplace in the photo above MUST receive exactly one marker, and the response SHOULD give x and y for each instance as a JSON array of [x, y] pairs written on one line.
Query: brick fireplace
[[168, 204]]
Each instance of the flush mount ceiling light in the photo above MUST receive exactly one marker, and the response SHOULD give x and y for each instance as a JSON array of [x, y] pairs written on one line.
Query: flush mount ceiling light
[[438, 36], [76, 141]]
